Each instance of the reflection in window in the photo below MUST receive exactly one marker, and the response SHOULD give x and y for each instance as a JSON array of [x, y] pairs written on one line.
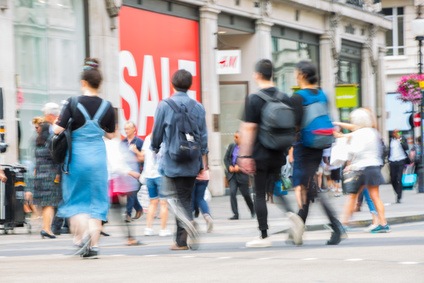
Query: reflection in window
[[50, 48], [394, 38], [348, 72], [286, 54]]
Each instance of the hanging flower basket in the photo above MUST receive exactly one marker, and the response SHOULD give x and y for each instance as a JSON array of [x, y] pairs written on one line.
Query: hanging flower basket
[[409, 88]]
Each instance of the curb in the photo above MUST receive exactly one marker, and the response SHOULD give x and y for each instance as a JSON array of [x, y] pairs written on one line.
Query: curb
[[364, 223]]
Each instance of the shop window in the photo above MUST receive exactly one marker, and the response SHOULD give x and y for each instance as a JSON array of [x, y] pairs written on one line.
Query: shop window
[[286, 54], [49, 54], [395, 37]]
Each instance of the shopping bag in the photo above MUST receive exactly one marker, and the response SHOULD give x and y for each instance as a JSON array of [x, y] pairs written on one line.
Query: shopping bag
[[339, 152], [408, 181]]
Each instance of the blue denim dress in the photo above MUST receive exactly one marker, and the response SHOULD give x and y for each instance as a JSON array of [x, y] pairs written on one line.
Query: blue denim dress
[[85, 187]]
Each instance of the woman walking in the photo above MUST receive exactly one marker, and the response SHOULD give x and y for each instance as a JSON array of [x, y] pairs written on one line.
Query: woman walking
[[85, 187], [46, 192], [365, 151]]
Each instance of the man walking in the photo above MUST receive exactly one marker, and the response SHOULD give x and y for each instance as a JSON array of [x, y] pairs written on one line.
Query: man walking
[[179, 169], [398, 158], [134, 144], [254, 158], [236, 178]]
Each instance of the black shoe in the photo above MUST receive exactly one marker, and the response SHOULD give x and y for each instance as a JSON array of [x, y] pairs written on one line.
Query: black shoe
[[104, 234], [196, 213], [45, 234], [64, 230], [339, 234], [235, 217], [90, 253], [398, 200], [253, 214]]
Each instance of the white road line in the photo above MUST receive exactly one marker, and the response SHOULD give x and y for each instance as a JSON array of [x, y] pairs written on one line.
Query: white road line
[[310, 258], [408, 262], [264, 258], [223, 257], [188, 256], [354, 259], [150, 255]]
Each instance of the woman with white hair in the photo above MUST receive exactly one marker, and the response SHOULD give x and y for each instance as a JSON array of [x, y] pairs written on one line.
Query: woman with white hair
[[365, 159]]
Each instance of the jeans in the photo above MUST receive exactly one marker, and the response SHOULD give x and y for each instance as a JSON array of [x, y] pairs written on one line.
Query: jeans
[[154, 187], [179, 189], [198, 196], [368, 199], [244, 189], [132, 202]]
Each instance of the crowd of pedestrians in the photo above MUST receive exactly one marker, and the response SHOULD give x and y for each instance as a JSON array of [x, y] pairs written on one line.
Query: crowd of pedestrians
[[172, 163]]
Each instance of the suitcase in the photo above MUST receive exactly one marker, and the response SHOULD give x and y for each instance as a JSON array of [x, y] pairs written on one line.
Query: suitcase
[[12, 196]]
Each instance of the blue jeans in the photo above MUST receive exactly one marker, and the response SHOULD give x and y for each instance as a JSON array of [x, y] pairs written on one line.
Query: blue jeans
[[198, 196], [368, 199], [132, 202]]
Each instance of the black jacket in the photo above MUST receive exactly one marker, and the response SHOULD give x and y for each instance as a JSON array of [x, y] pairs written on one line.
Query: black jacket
[[241, 177]]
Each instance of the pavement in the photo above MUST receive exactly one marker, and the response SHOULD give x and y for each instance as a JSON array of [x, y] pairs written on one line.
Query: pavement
[[411, 209]]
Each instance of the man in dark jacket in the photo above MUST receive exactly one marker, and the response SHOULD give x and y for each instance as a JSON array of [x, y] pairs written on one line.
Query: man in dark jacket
[[236, 179]]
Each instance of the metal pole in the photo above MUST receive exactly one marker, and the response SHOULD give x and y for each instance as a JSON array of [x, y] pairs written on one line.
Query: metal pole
[[420, 71]]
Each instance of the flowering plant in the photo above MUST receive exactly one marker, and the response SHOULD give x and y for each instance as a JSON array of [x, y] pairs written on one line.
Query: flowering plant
[[409, 88]]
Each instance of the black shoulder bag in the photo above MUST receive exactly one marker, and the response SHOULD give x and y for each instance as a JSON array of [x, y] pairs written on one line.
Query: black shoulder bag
[[62, 143]]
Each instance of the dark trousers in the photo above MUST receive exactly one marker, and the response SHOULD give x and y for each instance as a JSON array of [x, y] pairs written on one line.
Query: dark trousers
[[180, 190], [244, 190], [312, 188], [396, 171], [265, 177]]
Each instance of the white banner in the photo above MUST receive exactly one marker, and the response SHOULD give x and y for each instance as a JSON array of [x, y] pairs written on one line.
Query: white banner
[[228, 62]]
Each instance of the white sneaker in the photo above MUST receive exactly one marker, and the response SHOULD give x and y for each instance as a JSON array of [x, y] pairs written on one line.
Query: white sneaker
[[259, 243], [148, 232], [297, 229], [371, 227], [165, 233]]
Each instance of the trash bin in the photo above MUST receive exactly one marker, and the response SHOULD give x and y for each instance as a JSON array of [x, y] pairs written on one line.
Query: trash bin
[[12, 197]]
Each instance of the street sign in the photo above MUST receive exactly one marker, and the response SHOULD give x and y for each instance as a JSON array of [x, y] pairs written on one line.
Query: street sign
[[417, 119]]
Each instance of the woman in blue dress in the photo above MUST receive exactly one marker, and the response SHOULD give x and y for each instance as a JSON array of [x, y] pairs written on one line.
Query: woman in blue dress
[[85, 187]]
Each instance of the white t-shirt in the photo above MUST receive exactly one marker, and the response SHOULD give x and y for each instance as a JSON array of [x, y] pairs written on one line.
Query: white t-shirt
[[365, 148], [151, 160]]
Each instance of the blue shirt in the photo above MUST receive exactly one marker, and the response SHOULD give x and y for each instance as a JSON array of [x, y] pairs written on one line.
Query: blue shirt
[[162, 133]]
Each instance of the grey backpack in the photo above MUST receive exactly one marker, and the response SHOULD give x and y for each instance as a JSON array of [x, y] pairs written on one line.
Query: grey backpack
[[278, 124]]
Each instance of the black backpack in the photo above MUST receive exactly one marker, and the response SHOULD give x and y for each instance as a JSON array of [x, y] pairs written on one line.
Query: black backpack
[[278, 123], [185, 143]]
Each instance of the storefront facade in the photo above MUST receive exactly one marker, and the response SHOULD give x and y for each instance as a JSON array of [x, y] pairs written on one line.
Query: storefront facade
[[219, 41]]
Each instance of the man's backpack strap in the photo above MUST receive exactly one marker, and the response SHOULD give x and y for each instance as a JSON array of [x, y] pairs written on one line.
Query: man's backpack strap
[[172, 104], [264, 96]]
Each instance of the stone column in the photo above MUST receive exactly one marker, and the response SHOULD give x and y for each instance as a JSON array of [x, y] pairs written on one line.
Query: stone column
[[263, 39], [210, 95], [104, 44], [381, 92], [7, 83], [367, 81], [328, 79]]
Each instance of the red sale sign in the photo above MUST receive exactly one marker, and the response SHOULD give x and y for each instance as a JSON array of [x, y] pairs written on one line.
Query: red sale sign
[[152, 47]]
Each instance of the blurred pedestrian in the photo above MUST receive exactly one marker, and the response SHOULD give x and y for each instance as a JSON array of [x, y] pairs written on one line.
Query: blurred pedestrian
[[51, 112], [123, 177], [47, 192], [237, 180], [307, 159], [153, 180], [85, 187], [365, 159], [180, 174], [254, 158], [198, 198], [398, 158], [134, 144]]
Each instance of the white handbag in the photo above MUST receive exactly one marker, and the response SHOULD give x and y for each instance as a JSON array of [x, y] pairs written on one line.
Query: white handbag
[[339, 152]]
